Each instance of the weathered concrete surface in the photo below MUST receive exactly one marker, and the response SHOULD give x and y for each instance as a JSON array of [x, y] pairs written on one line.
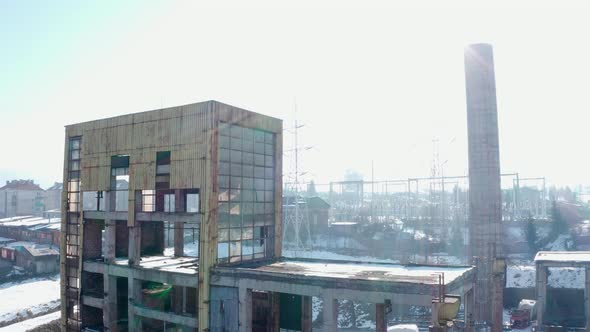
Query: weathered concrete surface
[[485, 198]]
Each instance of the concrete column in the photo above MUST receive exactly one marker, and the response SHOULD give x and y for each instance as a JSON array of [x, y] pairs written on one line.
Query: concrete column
[[306, 319], [541, 293], [587, 298], [110, 303], [469, 311], [178, 239], [110, 236], [177, 299], [134, 245], [380, 318], [245, 309], [134, 298], [330, 314], [275, 311], [183, 299]]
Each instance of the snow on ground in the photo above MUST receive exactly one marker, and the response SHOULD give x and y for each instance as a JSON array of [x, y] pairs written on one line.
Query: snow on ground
[[566, 277], [443, 259], [523, 276], [403, 328], [190, 249], [515, 232], [372, 271], [434, 259], [32, 323], [561, 243], [320, 254], [520, 276], [316, 307], [31, 297]]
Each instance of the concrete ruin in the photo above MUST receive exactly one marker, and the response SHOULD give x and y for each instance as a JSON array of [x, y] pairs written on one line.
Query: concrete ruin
[[172, 219], [548, 319]]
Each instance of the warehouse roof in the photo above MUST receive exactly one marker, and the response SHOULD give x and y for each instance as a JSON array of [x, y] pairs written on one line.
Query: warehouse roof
[[563, 256]]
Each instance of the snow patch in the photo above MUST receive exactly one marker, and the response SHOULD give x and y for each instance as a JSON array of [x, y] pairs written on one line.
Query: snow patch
[[561, 243], [28, 298], [404, 328], [524, 276], [32, 323], [320, 254]]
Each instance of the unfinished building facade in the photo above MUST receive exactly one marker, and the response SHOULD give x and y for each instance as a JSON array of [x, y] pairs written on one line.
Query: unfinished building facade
[[172, 221], [153, 201]]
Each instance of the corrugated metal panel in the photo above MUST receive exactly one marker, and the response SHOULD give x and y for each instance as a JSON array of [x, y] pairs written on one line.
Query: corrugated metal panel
[[242, 117], [182, 130], [224, 309]]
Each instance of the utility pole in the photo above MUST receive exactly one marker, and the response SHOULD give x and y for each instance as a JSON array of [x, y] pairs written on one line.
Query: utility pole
[[296, 216], [372, 191]]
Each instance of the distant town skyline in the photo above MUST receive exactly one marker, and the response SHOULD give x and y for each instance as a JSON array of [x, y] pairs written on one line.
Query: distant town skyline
[[374, 84]]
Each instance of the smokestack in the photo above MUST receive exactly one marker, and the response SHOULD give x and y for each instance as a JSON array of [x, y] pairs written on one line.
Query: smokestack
[[485, 197]]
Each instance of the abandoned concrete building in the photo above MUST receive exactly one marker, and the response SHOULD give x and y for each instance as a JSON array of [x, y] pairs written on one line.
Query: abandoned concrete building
[[172, 221]]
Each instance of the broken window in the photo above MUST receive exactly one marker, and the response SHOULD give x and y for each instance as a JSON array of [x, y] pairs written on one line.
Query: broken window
[[169, 203], [192, 201], [246, 193], [120, 182], [163, 163], [93, 201], [190, 238]]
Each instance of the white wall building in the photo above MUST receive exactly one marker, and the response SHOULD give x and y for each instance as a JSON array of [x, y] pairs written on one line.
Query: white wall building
[[21, 197]]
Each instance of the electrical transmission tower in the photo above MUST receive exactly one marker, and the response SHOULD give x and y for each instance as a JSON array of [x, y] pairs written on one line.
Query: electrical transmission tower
[[296, 230]]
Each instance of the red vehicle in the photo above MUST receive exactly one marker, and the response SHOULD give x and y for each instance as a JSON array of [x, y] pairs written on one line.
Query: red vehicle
[[522, 317]]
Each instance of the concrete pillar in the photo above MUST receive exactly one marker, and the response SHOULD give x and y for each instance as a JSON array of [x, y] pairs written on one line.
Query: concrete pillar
[[134, 298], [380, 318], [587, 298], [110, 236], [245, 309], [134, 245], [275, 311], [177, 299], [306, 319], [330, 314], [178, 239], [541, 293], [110, 303], [485, 197], [184, 299], [468, 300]]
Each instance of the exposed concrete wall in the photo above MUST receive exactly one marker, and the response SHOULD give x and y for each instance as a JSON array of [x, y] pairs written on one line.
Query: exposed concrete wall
[[485, 211]]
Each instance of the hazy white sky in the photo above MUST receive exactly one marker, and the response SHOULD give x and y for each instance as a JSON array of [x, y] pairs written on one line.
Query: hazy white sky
[[373, 81]]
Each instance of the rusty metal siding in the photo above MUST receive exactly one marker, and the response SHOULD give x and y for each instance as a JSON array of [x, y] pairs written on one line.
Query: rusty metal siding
[[181, 130]]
